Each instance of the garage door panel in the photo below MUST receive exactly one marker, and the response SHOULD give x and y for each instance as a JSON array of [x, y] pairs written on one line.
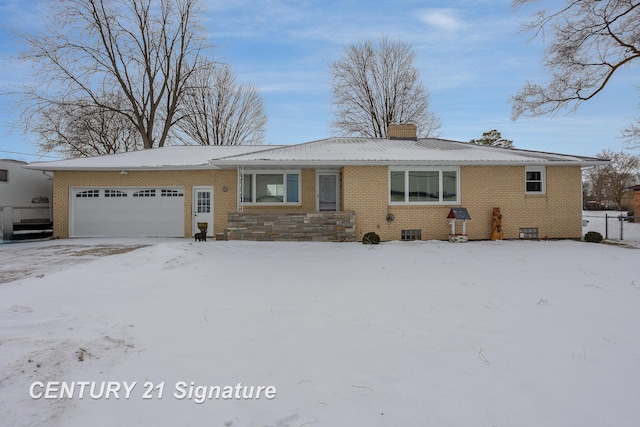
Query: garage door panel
[[127, 212]]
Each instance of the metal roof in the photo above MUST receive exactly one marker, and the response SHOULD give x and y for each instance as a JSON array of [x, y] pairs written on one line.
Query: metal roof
[[324, 152], [371, 151], [166, 158]]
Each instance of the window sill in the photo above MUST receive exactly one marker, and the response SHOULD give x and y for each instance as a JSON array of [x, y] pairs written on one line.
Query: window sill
[[456, 203], [270, 204]]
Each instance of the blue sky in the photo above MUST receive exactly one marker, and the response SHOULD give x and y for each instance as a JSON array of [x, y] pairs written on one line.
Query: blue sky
[[471, 56]]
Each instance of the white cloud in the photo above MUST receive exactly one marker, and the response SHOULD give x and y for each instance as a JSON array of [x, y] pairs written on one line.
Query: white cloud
[[444, 19]]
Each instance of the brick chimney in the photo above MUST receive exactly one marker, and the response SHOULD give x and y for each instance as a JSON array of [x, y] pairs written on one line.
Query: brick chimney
[[402, 131]]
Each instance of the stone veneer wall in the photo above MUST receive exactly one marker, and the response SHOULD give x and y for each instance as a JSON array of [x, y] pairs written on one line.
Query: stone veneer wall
[[274, 226]]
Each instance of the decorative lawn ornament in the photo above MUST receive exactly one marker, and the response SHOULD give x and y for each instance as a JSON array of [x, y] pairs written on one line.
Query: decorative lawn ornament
[[371, 238], [496, 225], [455, 215]]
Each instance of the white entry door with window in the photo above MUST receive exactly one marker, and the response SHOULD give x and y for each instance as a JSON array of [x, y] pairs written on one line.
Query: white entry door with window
[[328, 191], [203, 208]]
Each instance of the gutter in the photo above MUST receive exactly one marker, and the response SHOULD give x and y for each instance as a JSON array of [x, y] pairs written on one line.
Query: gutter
[[49, 168], [217, 165], [333, 163]]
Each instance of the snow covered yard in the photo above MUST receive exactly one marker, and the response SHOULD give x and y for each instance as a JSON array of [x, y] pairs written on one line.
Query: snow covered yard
[[597, 220], [512, 333]]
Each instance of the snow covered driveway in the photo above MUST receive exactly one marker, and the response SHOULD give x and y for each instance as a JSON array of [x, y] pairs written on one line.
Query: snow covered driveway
[[400, 334], [26, 259]]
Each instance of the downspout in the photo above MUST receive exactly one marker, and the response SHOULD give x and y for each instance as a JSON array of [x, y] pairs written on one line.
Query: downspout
[[50, 195], [240, 204]]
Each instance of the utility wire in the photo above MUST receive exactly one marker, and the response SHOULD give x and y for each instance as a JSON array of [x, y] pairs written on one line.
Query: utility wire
[[32, 155]]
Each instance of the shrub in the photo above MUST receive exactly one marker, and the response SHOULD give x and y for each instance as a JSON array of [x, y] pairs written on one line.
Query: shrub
[[371, 238], [593, 236]]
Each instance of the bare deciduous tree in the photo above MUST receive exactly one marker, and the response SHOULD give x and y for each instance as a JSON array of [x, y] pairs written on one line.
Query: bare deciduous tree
[[375, 86], [493, 138], [631, 135], [76, 130], [144, 51], [220, 111], [591, 41], [611, 181]]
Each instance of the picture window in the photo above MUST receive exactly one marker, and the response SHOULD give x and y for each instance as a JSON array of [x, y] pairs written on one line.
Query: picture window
[[424, 186], [271, 187]]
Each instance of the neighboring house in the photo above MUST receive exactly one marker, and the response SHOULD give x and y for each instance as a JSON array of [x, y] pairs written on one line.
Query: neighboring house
[[626, 201], [331, 189], [24, 198], [636, 200]]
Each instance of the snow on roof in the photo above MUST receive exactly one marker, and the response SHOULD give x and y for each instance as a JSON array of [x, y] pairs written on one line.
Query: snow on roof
[[20, 162], [334, 151], [172, 157], [324, 152]]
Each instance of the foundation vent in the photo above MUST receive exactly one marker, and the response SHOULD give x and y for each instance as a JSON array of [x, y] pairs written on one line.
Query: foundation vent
[[411, 235], [528, 233]]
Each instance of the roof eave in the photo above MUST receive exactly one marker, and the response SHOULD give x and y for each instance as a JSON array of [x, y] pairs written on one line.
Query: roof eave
[[48, 168], [333, 163], [215, 165]]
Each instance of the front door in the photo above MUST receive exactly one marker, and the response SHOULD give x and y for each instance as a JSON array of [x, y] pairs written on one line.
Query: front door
[[328, 191], [203, 209]]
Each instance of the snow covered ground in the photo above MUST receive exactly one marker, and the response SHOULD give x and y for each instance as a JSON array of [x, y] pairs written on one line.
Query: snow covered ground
[[596, 221], [513, 333]]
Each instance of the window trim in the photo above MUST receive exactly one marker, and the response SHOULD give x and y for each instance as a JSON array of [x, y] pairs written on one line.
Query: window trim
[[282, 172], [440, 170], [543, 179]]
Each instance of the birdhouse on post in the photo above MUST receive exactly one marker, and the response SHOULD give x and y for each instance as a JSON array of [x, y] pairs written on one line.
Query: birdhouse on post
[[458, 215]]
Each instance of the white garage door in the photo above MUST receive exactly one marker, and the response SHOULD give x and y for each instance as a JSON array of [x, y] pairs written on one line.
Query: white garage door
[[123, 212]]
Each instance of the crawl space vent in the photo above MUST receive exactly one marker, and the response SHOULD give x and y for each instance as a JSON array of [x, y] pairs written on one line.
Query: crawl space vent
[[528, 233], [411, 234]]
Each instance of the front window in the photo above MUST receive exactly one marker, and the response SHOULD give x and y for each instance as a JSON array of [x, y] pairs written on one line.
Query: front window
[[247, 188], [424, 185], [271, 187], [397, 186], [293, 188], [449, 186], [535, 180]]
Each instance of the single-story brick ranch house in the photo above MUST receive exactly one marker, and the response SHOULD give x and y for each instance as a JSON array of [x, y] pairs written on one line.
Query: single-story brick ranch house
[[340, 188]]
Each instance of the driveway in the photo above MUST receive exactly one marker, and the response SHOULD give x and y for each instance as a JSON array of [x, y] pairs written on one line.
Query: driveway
[[28, 259]]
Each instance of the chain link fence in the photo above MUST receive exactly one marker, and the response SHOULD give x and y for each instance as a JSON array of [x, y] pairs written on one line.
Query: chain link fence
[[612, 225]]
